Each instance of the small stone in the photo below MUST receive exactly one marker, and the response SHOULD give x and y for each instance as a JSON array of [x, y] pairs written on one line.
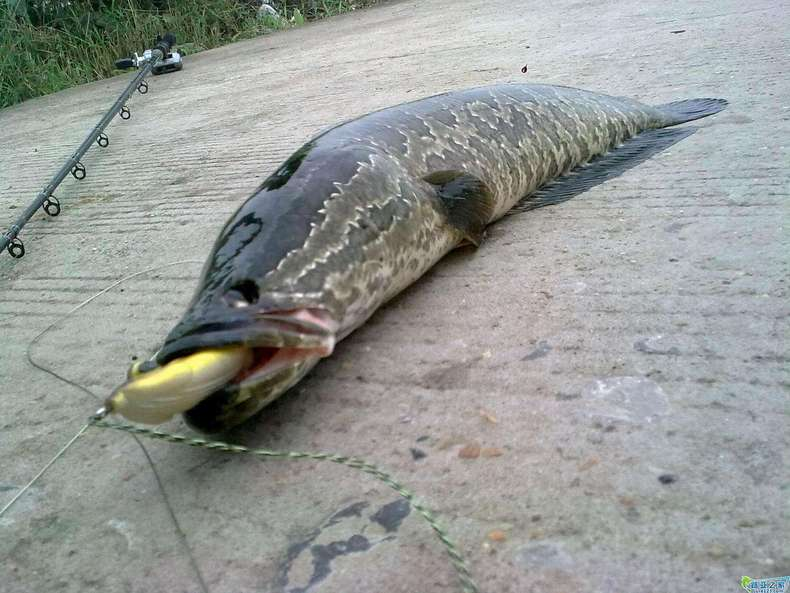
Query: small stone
[[491, 452], [470, 451], [749, 523], [537, 534], [417, 454], [667, 478], [566, 396], [588, 464], [267, 10], [488, 417], [497, 535]]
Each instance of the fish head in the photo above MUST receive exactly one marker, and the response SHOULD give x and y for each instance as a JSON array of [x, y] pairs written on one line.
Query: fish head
[[268, 305], [228, 358], [281, 336]]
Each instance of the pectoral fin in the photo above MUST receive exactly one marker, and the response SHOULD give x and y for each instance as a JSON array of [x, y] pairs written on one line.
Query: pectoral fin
[[467, 201]]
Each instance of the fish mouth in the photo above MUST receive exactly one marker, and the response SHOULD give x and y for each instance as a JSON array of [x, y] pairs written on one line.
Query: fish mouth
[[276, 340], [226, 370], [265, 333], [267, 362]]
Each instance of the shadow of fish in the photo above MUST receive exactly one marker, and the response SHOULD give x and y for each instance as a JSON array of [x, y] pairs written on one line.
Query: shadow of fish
[[362, 211]]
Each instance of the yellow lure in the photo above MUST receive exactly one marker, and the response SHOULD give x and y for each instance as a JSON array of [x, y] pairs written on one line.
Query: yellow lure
[[160, 394]]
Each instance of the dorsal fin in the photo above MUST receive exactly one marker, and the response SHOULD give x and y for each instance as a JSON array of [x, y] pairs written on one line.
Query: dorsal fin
[[468, 202]]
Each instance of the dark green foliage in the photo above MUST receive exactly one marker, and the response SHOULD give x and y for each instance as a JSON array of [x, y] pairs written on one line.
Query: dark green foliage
[[49, 45], [316, 9]]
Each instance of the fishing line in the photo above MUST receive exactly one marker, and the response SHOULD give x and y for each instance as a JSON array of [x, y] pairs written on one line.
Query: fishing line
[[29, 354], [467, 583], [44, 469], [99, 420]]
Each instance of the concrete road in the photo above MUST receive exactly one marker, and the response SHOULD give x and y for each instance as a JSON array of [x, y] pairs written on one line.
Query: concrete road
[[620, 359]]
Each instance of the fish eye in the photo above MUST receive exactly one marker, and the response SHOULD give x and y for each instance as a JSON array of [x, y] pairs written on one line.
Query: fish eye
[[242, 294]]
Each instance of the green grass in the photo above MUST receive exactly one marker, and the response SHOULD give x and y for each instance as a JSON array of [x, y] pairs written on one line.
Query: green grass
[[49, 45]]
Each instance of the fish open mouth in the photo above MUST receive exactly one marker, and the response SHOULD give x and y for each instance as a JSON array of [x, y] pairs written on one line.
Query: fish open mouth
[[226, 362], [280, 340], [304, 329], [266, 361]]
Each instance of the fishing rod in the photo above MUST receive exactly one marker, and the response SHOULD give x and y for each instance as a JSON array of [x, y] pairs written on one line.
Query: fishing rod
[[159, 60]]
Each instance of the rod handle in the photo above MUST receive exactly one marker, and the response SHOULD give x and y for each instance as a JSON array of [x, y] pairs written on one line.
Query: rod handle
[[124, 63], [165, 43]]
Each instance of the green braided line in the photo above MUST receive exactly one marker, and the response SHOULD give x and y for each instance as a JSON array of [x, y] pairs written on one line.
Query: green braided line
[[467, 583]]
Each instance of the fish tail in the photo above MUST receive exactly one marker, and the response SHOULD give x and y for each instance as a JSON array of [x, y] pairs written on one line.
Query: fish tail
[[679, 112]]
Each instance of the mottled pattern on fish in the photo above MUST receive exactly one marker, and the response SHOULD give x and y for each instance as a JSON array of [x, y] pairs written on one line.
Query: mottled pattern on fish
[[356, 195], [364, 209]]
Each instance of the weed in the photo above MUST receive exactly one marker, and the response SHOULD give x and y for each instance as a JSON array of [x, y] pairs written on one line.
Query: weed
[[49, 45]]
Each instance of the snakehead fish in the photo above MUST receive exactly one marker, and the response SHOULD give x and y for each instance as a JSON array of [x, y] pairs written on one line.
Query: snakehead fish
[[362, 211]]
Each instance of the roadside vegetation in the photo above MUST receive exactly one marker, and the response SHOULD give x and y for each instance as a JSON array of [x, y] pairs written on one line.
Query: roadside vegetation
[[49, 45]]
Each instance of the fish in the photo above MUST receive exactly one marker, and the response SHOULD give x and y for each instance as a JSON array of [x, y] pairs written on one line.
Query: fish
[[359, 213]]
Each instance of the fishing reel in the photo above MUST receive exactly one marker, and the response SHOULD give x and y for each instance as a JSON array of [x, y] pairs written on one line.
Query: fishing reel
[[169, 62]]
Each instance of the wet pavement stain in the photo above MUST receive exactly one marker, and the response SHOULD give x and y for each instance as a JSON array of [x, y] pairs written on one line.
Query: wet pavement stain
[[349, 531], [354, 510], [391, 515], [632, 399], [541, 350], [648, 346], [323, 555], [448, 376]]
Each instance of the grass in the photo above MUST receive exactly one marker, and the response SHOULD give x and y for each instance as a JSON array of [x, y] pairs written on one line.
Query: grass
[[50, 45]]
